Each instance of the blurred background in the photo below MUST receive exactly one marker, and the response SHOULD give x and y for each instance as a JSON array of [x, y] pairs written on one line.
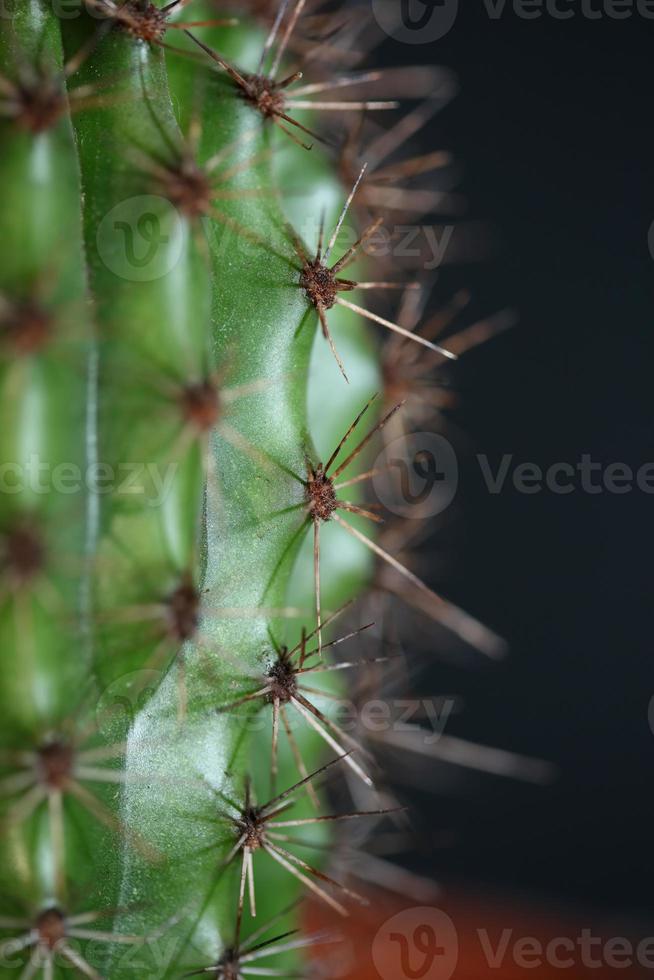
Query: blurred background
[[552, 131], [549, 126]]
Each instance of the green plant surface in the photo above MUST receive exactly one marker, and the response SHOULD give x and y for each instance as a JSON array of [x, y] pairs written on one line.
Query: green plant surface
[[196, 399], [44, 332]]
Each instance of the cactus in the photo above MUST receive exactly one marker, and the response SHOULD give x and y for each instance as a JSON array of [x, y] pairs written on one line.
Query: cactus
[[162, 400]]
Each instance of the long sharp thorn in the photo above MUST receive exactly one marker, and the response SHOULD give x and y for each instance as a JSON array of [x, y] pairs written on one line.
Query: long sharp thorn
[[251, 890], [328, 619], [182, 25], [252, 944], [299, 761], [288, 33], [308, 711], [346, 207], [321, 235], [78, 960], [342, 82], [286, 82], [381, 553], [330, 340], [335, 643], [48, 968], [311, 885], [274, 30], [334, 817], [287, 131], [33, 965], [303, 647], [452, 617], [274, 751], [366, 439], [307, 779], [275, 950], [57, 834], [294, 859], [225, 65], [361, 478], [244, 700], [316, 581], [396, 328], [353, 509], [388, 285], [299, 125], [349, 432], [341, 106], [241, 892]]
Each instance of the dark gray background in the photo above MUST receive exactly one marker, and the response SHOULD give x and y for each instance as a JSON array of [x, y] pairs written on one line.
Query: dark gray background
[[553, 127]]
